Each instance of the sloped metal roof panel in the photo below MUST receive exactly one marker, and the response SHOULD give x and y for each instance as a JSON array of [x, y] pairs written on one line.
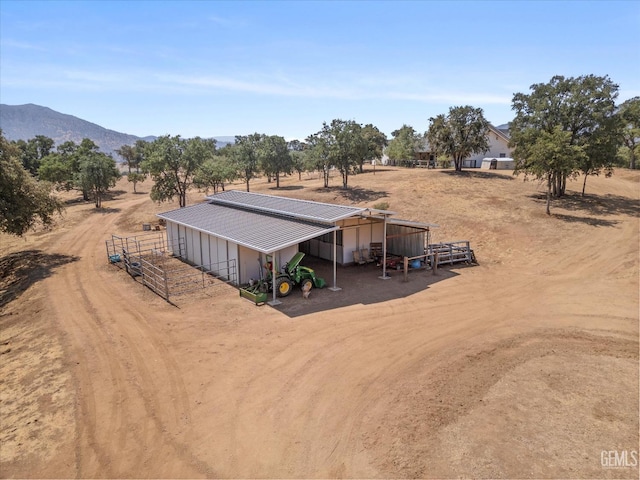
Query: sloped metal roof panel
[[410, 223], [291, 207], [255, 230]]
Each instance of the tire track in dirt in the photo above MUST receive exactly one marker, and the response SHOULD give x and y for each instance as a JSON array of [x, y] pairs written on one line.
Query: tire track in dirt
[[327, 390], [177, 394], [431, 402], [318, 398], [80, 317], [115, 378]]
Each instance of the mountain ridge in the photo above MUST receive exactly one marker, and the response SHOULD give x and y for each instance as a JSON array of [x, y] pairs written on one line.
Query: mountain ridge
[[23, 122]]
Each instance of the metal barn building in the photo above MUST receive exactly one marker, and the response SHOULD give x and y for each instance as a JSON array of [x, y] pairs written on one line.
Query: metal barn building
[[241, 228]]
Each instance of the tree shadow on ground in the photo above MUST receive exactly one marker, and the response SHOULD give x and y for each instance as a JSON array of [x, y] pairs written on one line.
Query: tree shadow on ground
[[478, 174], [78, 199], [373, 171], [113, 194], [594, 222], [107, 196], [287, 188], [20, 270], [104, 210], [592, 205], [355, 194], [601, 205], [360, 284]]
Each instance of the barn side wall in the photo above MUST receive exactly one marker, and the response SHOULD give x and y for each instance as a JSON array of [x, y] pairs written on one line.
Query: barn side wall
[[250, 264], [199, 248], [355, 234], [405, 241], [322, 247], [358, 234]]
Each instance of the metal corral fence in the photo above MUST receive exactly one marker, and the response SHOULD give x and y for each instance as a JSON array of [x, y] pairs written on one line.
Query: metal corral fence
[[160, 267], [137, 244]]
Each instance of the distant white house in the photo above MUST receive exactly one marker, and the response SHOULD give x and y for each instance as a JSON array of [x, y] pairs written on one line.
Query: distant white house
[[498, 148]]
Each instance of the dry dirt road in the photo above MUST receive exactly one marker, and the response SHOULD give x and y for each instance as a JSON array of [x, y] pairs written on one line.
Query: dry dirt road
[[525, 366]]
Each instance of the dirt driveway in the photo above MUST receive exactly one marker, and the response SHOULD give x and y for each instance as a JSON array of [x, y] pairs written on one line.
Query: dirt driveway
[[525, 366]]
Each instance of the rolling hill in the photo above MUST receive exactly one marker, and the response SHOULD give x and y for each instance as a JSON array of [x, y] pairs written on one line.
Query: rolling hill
[[22, 122]]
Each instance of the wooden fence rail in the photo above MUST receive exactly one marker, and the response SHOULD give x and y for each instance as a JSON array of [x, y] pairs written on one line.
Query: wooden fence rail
[[452, 252], [442, 254]]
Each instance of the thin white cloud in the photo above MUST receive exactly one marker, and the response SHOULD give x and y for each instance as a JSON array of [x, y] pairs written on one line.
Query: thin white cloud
[[98, 78], [339, 86], [46, 76], [227, 22], [121, 50], [4, 43], [358, 89], [436, 96], [264, 87]]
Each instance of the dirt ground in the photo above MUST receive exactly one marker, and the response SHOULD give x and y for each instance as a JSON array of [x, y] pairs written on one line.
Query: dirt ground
[[524, 366]]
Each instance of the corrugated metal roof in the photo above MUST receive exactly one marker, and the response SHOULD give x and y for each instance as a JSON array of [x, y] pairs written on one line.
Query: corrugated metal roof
[[410, 223], [255, 230], [291, 207]]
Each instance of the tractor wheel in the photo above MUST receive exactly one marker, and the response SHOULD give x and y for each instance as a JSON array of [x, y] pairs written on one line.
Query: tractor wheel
[[284, 286], [306, 284]]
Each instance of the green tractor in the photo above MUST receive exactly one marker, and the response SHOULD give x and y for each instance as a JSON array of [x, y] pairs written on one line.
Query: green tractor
[[292, 274]]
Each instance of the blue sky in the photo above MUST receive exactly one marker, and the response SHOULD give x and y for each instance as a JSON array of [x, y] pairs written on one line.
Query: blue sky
[[213, 68]]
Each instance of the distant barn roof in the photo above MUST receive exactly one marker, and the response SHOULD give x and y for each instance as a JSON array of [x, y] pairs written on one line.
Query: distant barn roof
[[290, 207]]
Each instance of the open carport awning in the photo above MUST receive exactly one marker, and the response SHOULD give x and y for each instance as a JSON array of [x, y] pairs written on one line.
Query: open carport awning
[[258, 231]]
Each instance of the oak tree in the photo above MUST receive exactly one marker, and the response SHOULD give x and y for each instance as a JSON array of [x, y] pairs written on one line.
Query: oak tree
[[274, 157], [24, 201], [133, 155], [245, 155], [403, 146], [549, 155], [60, 166], [318, 154], [33, 151], [376, 142], [460, 134], [173, 162], [65, 167], [98, 173], [584, 107], [347, 147], [629, 114], [214, 172]]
